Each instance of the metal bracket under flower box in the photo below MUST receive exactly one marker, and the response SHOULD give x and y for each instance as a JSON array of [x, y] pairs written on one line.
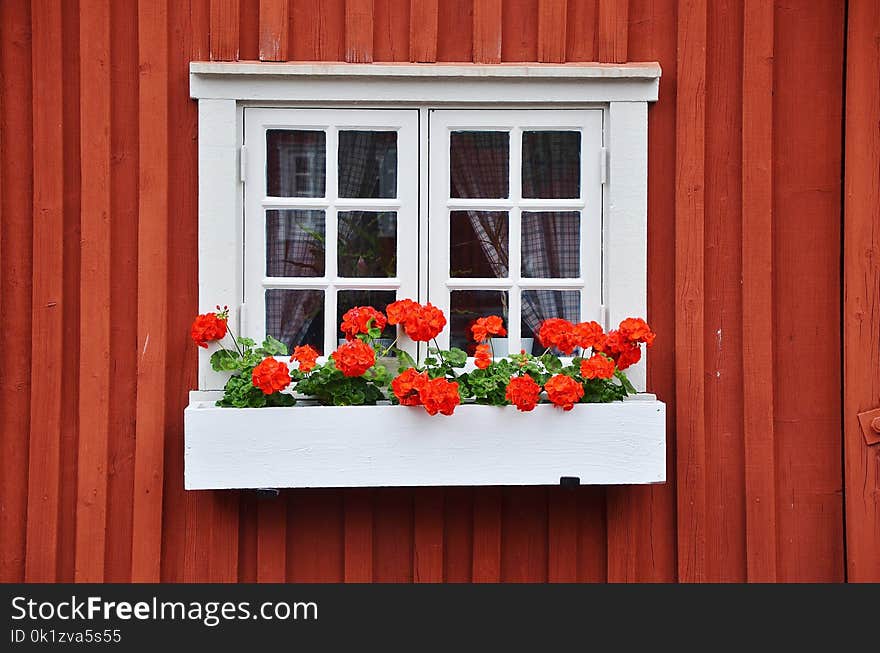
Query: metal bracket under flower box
[[375, 446]]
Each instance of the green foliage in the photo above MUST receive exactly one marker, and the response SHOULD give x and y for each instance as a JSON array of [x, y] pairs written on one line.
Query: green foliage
[[332, 388], [239, 391]]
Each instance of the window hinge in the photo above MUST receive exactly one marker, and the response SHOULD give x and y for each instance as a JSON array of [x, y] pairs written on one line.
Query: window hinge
[[603, 165], [242, 163], [242, 320]]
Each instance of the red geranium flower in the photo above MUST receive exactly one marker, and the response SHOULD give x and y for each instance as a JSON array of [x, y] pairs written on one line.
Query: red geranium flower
[[598, 366], [621, 350], [559, 334], [209, 327], [635, 329], [401, 310], [354, 358], [270, 376], [440, 396], [407, 385], [424, 323], [588, 334], [485, 327], [523, 392], [357, 321], [564, 391], [306, 356], [483, 357]]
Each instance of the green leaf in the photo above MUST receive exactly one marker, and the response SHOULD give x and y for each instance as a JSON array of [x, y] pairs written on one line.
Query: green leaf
[[273, 347], [374, 332], [551, 363], [246, 342], [404, 360], [223, 360], [455, 357]]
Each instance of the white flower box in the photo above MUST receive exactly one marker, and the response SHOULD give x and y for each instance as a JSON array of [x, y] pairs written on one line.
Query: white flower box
[[374, 446]]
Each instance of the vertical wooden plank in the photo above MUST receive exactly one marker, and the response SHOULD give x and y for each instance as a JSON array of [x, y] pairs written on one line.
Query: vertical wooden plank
[[581, 31], [273, 30], [317, 30], [358, 536], [613, 30], [247, 538], [393, 535], [487, 535], [689, 290], [16, 206], [423, 31], [592, 524], [272, 540], [552, 28], [524, 535], [562, 535], [487, 31], [315, 533], [222, 553], [458, 535], [862, 288], [391, 30], [48, 301], [359, 31], [95, 243], [519, 30], [152, 302], [757, 290], [455, 31], [224, 30], [428, 536], [249, 30]]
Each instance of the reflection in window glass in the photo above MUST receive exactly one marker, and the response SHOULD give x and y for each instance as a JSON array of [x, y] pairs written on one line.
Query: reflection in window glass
[[296, 162], [295, 243], [465, 307], [551, 164], [296, 317], [378, 299], [367, 164], [367, 244], [538, 305], [479, 164], [478, 244], [551, 244]]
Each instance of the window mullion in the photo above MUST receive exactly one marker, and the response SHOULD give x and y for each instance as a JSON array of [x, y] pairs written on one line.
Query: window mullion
[[514, 311], [331, 242]]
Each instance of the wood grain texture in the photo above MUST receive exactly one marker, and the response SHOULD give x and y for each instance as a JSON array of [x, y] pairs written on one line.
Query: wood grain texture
[[393, 543], [358, 536], [315, 526], [581, 31], [359, 31], [428, 528], [391, 30], [862, 288], [455, 31], [487, 535], [552, 28], [249, 30], [224, 30], [272, 540], [519, 30], [613, 30], [274, 22], [757, 290], [562, 535], [424, 15], [487, 31], [319, 31]]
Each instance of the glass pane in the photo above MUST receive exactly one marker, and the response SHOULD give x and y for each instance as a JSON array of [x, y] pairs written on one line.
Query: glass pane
[[378, 299], [551, 244], [551, 164], [296, 317], [367, 244], [296, 163], [367, 164], [295, 243], [478, 164], [538, 305], [465, 306], [478, 244]]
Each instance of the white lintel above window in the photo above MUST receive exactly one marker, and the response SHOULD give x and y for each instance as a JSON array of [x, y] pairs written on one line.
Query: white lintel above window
[[609, 101]]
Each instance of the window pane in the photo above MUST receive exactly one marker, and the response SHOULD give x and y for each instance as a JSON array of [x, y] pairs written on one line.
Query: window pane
[[479, 164], [378, 299], [367, 244], [478, 244], [465, 307], [539, 305], [294, 243], [296, 163], [367, 164], [551, 165], [551, 244], [296, 317]]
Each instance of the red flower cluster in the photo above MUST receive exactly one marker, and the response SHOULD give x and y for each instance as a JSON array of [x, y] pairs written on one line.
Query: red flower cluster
[[306, 356], [559, 334], [270, 376], [421, 323], [588, 334], [210, 327], [407, 385], [440, 396], [635, 329], [357, 321], [622, 351], [523, 392], [354, 358], [564, 391], [483, 357], [598, 366], [486, 327]]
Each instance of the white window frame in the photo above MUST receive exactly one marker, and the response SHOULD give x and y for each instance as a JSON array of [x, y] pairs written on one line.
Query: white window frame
[[622, 92]]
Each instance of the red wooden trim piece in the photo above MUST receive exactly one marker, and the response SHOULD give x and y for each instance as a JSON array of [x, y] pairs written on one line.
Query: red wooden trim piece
[[428, 536], [423, 31], [222, 552], [224, 30], [487, 535], [562, 527], [95, 336], [272, 540], [359, 31], [200, 20], [613, 30], [358, 520], [47, 292], [582, 32], [689, 290], [757, 290], [273, 30], [152, 301], [861, 280], [487, 31], [552, 18]]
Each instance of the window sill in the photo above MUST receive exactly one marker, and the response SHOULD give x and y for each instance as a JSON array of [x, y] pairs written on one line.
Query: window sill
[[379, 446]]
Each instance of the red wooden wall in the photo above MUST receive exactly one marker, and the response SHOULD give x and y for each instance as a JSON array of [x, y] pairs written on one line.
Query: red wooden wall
[[98, 280]]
